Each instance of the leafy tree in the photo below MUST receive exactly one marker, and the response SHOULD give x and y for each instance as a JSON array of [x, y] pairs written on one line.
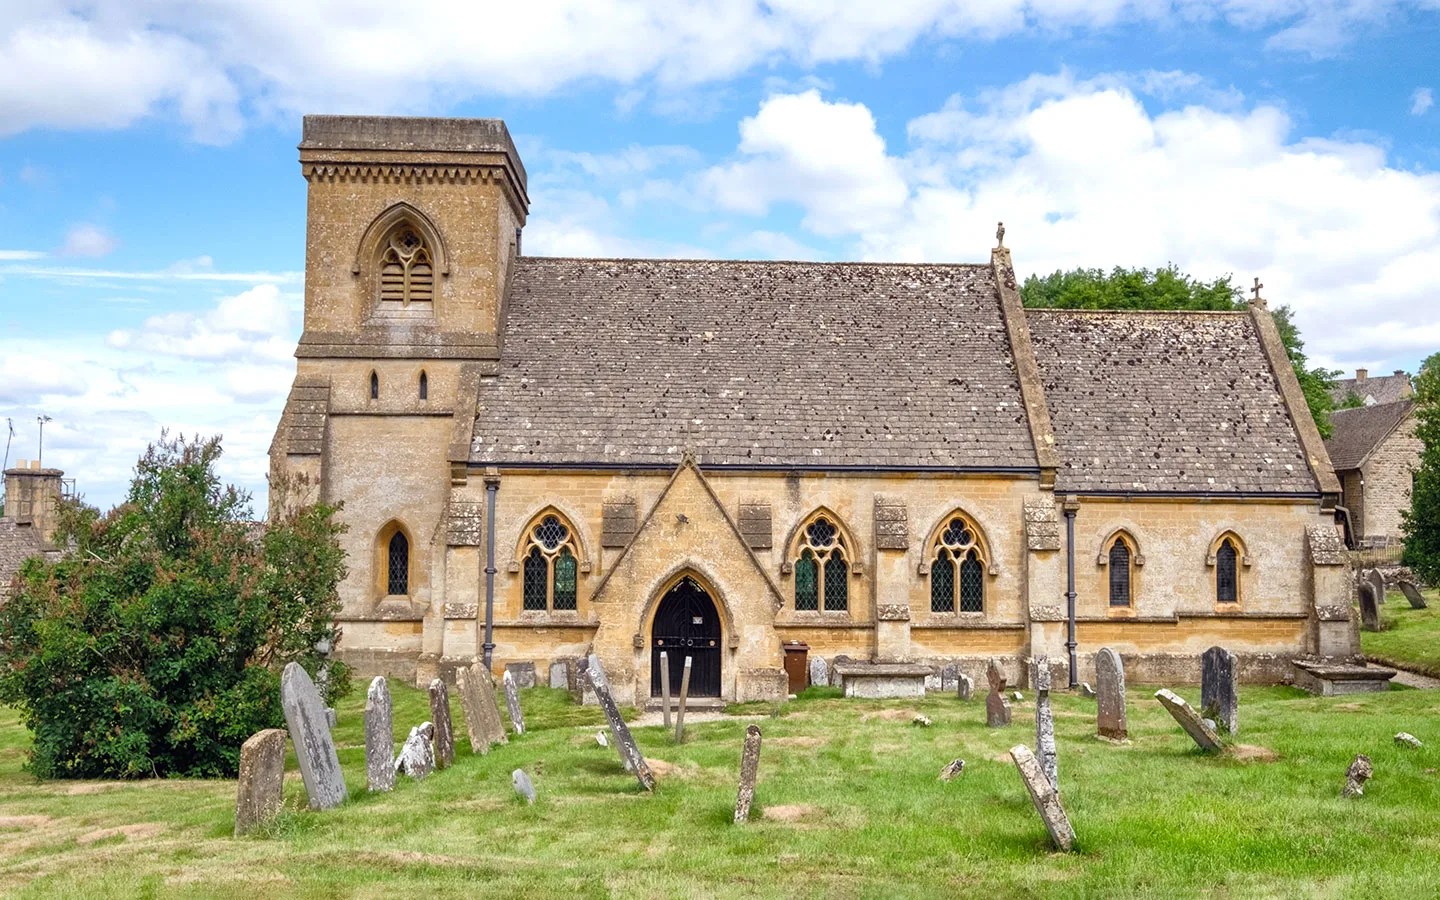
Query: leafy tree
[[152, 646], [1421, 522], [1171, 289]]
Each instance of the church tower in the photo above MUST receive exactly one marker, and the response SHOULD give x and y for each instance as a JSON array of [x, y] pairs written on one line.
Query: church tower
[[412, 229]]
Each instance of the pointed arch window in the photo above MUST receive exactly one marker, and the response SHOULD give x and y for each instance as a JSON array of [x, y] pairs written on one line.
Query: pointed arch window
[[424, 385], [1227, 577], [407, 268], [1120, 559], [374, 385], [551, 572], [957, 574], [397, 582], [822, 568]]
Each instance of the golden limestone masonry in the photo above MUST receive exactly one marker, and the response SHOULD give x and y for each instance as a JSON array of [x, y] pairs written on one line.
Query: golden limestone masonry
[[718, 458]]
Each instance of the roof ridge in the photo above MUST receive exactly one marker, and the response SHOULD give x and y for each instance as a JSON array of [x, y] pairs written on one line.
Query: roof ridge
[[1141, 312], [755, 262]]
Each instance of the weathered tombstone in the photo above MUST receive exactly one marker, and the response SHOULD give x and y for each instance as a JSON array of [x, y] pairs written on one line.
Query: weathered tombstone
[[314, 750], [1110, 721], [1358, 772], [489, 706], [949, 677], [417, 756], [262, 775], [629, 753], [1412, 593], [580, 689], [601, 739], [1408, 740], [444, 728], [819, 672], [997, 707], [379, 737], [1377, 584], [1219, 693], [1045, 723], [560, 674], [331, 720], [684, 692], [512, 702], [1369, 610], [953, 769], [523, 673], [472, 705], [665, 687], [964, 687], [749, 767], [1086, 690], [1190, 720], [522, 785], [1043, 795]]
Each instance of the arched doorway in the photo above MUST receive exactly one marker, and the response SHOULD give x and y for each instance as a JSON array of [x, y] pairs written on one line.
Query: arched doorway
[[687, 624]]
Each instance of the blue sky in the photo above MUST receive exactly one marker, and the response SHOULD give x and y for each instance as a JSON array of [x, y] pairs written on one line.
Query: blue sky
[[152, 211]]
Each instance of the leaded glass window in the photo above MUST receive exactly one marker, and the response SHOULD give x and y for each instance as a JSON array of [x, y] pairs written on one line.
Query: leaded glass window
[[821, 569], [550, 566], [972, 584], [1119, 573], [565, 579], [942, 583], [397, 582], [957, 547], [1227, 586], [537, 580]]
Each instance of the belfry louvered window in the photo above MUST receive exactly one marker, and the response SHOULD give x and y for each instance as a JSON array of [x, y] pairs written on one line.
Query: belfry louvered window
[[957, 572], [1119, 565], [1227, 585], [551, 570], [407, 273], [398, 558], [821, 569]]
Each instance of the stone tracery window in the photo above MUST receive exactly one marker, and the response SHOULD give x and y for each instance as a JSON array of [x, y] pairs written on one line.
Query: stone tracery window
[[822, 568], [407, 271], [1227, 581], [550, 567], [957, 575], [1120, 558]]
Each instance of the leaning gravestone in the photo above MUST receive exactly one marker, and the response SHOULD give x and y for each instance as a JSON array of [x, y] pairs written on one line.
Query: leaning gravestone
[[444, 729], [379, 737], [1045, 723], [524, 788], [1203, 735], [749, 768], [560, 675], [512, 703], [262, 778], [489, 706], [1369, 610], [314, 750], [523, 673], [1043, 795], [1110, 722], [1412, 593], [470, 685], [629, 753], [417, 757], [1219, 692], [819, 672], [964, 686], [997, 708]]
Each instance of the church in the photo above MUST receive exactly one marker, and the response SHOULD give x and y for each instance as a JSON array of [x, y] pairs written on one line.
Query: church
[[892, 464]]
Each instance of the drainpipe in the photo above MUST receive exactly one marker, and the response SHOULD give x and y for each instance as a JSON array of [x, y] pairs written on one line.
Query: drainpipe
[[492, 484], [1072, 505]]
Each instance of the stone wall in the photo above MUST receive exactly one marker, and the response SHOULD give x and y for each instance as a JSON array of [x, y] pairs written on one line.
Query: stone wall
[[1388, 474]]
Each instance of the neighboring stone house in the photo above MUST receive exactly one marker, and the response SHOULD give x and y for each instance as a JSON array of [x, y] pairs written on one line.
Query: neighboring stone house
[[714, 458], [26, 529], [1370, 391], [1375, 454]]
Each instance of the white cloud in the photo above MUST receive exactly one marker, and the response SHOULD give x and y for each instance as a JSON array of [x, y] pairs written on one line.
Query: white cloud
[[181, 272], [23, 379], [250, 326], [88, 240], [1421, 101], [21, 254]]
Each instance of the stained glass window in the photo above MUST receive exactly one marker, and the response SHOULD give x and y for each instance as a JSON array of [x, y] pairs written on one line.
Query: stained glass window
[[550, 533], [821, 570], [807, 587], [398, 581], [972, 584], [565, 578], [1119, 573], [1226, 582], [942, 583], [964, 590], [551, 568], [537, 571]]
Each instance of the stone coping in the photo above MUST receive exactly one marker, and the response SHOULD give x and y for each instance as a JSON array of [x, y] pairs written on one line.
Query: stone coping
[[881, 670]]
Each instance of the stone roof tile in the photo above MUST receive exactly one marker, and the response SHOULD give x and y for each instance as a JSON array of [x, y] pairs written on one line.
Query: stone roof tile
[[1360, 430]]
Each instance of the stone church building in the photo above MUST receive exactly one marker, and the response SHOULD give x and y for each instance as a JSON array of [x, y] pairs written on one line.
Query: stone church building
[[721, 457]]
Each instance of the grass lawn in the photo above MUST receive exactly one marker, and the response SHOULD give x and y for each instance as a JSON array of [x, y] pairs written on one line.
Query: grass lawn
[[861, 813], [1411, 638]]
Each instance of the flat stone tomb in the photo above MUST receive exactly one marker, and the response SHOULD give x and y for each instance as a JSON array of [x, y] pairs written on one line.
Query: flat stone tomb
[[310, 733], [882, 681], [997, 707], [1329, 680], [1205, 738], [1110, 722], [512, 702], [1219, 690], [444, 728], [749, 768], [1043, 795], [630, 754], [379, 737], [262, 776]]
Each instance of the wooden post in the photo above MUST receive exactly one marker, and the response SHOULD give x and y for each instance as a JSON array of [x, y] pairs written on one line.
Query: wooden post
[[665, 686], [680, 716]]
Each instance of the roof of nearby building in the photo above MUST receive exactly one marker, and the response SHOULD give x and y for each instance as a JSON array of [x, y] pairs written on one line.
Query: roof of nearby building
[[1358, 431], [1180, 402], [1373, 389], [17, 543], [754, 364]]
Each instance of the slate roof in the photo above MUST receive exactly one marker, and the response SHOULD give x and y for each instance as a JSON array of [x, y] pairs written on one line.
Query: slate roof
[[17, 544], [1166, 402], [1383, 388], [753, 364], [1360, 430]]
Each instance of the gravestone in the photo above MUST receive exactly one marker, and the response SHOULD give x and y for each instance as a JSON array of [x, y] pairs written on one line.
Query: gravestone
[[470, 685], [522, 784], [1219, 691], [1369, 610], [629, 753], [1086, 690], [1110, 722], [1045, 723], [523, 673], [444, 729], [1204, 736], [1408, 740], [262, 776], [964, 686], [997, 707], [601, 739], [331, 720], [1377, 584], [819, 672], [512, 702], [1043, 795], [560, 675], [417, 756], [314, 750], [379, 737], [1356, 775], [489, 707], [950, 677], [1412, 593], [580, 689], [953, 769], [749, 767]]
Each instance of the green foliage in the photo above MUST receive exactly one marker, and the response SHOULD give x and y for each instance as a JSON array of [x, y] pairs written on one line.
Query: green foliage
[[151, 646], [1171, 289], [1351, 401], [1421, 522]]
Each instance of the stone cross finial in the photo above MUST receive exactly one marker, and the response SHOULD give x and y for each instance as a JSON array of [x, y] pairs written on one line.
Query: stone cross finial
[[1257, 299], [1000, 235]]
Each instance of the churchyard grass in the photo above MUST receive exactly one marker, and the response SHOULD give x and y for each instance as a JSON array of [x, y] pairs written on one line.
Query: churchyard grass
[[1411, 638], [848, 804]]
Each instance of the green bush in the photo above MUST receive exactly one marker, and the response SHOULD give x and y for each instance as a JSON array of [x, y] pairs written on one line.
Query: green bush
[[152, 646]]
